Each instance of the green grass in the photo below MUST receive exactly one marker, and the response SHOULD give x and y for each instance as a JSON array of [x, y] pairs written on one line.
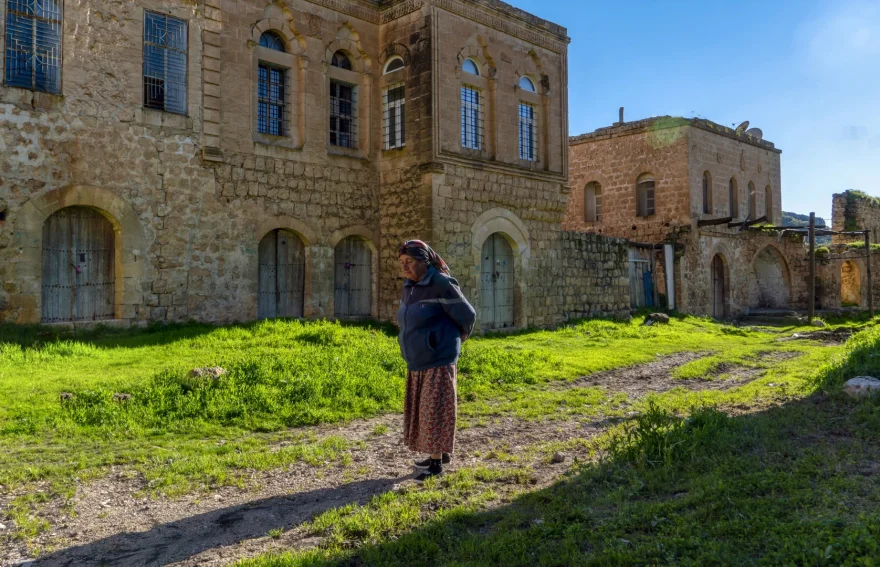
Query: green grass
[[796, 484]]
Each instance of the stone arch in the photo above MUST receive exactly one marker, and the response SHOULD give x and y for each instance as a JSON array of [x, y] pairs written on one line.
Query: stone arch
[[719, 270], [395, 50], [477, 50], [348, 41], [770, 286], [534, 70], [369, 238], [278, 18], [850, 284], [513, 230], [129, 240]]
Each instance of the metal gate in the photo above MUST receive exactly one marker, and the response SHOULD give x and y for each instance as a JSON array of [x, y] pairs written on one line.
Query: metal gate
[[354, 279], [282, 275], [641, 283], [78, 266], [496, 284]]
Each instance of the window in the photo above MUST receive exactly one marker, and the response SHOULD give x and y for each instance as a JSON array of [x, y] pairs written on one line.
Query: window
[[593, 202], [343, 125], [272, 40], [271, 107], [471, 119], [33, 45], [753, 201], [528, 140], [164, 63], [394, 64], [470, 67], [707, 193], [645, 191], [526, 84], [768, 203], [341, 60], [733, 198], [394, 105]]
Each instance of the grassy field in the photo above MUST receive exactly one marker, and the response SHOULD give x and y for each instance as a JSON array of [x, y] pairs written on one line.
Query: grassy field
[[662, 488]]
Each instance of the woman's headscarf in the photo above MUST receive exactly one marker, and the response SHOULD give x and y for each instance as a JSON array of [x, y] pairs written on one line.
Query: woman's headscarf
[[424, 253]]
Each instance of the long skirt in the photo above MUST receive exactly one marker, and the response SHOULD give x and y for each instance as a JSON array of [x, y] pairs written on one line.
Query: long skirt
[[429, 410]]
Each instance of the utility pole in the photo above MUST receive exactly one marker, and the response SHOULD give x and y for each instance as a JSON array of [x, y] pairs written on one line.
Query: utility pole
[[868, 262], [812, 307]]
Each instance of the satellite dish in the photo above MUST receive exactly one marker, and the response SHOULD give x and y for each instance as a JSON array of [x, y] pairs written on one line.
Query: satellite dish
[[742, 127], [755, 133]]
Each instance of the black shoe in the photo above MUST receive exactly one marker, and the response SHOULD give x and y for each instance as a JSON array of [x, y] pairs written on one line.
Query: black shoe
[[435, 469], [427, 462]]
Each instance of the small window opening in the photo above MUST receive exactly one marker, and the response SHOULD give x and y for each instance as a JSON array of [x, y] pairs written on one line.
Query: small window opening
[[272, 40], [470, 67], [394, 64], [733, 198], [707, 193], [2, 215], [593, 202], [341, 60], [526, 84], [645, 193]]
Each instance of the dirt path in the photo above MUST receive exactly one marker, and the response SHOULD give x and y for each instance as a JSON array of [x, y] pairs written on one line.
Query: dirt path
[[113, 526]]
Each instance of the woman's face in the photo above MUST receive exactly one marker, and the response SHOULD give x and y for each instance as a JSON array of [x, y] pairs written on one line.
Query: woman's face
[[411, 268]]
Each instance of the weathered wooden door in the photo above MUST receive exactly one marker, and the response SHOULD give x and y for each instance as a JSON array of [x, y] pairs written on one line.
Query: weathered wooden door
[[354, 279], [497, 284], [282, 275], [78, 266], [640, 277], [719, 301]]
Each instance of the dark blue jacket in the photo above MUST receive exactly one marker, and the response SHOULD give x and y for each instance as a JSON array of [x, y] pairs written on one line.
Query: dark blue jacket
[[432, 317]]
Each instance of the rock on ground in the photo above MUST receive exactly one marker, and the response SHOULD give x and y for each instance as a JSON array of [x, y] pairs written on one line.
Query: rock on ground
[[862, 386]]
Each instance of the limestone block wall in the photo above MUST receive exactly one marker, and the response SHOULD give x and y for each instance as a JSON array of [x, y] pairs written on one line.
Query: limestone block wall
[[842, 279], [595, 276], [854, 210]]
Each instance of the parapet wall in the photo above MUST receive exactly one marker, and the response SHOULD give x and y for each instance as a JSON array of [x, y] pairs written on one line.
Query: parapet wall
[[854, 210]]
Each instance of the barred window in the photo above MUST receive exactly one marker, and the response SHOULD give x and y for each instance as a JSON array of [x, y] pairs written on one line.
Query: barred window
[[394, 104], [645, 192], [33, 45], [343, 118], [273, 41], [471, 119], [165, 48], [528, 140], [271, 107], [593, 202]]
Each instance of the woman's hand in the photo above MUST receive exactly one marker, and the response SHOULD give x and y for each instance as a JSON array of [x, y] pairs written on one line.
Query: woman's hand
[[464, 337]]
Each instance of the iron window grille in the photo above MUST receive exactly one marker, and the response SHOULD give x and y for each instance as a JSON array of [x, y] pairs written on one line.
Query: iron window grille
[[165, 50], [528, 140], [646, 193], [271, 101], [343, 115], [394, 105], [33, 45], [471, 119]]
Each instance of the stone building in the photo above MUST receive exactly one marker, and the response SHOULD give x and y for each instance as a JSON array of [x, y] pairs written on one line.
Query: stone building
[[226, 160], [698, 186]]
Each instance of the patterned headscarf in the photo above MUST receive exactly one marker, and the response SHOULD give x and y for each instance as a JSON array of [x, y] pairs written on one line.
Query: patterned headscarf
[[424, 253]]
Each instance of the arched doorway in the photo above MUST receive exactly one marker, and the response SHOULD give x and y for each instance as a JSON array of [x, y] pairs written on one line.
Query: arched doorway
[[771, 284], [79, 266], [282, 275], [497, 284], [850, 284], [353, 279], [720, 288]]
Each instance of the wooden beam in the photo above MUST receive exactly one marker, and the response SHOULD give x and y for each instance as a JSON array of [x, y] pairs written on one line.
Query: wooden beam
[[713, 222]]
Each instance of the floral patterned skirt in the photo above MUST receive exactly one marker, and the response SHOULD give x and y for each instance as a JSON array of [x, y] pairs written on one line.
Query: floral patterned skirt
[[429, 410]]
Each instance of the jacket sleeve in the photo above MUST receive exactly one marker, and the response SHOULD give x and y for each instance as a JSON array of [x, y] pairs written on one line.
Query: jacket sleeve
[[457, 307]]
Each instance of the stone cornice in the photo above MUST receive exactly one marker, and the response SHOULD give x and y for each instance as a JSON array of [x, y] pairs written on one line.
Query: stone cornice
[[360, 10], [492, 17]]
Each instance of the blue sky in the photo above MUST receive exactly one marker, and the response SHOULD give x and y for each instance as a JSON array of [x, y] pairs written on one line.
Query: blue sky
[[807, 72]]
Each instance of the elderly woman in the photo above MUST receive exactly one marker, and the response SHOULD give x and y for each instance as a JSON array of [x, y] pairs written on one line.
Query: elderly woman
[[434, 319]]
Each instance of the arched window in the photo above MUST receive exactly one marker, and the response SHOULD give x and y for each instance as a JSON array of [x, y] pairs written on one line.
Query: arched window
[[733, 198], [394, 64], [753, 201], [272, 40], [470, 67], [526, 84], [593, 202], [768, 203], [340, 59], [645, 193], [707, 193]]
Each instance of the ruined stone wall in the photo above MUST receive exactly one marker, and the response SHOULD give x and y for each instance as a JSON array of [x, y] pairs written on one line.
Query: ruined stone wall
[[616, 161], [854, 210], [595, 276], [842, 278]]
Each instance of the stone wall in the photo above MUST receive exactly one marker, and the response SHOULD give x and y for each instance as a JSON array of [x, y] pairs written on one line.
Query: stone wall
[[595, 276], [852, 211], [842, 278]]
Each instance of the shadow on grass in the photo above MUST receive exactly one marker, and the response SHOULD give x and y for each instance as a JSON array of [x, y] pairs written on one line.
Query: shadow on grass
[[180, 540]]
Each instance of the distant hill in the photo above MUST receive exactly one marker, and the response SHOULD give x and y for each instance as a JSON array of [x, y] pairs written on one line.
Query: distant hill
[[794, 219]]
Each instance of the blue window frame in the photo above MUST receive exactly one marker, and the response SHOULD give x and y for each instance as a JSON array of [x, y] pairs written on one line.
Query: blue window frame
[[33, 45], [165, 49]]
